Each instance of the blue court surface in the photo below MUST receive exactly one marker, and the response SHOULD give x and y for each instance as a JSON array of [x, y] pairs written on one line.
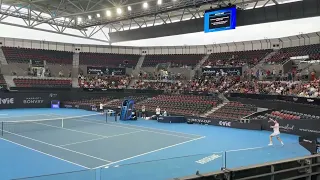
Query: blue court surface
[[82, 145]]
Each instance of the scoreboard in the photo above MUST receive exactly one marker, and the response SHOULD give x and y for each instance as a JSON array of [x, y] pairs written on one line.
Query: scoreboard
[[220, 19]]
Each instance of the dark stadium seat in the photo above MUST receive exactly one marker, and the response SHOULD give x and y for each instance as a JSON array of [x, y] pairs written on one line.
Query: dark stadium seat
[[24, 55], [285, 115], [180, 104], [176, 60], [233, 111], [49, 83], [107, 59], [285, 53]]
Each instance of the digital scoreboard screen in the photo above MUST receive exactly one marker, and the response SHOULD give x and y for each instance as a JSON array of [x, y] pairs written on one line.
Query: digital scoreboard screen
[[220, 19]]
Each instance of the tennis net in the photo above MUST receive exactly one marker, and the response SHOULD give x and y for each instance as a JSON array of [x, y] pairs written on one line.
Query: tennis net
[[10, 127]]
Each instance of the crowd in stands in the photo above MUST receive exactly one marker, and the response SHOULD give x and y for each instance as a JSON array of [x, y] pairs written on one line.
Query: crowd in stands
[[161, 75], [297, 88], [110, 82], [237, 58]]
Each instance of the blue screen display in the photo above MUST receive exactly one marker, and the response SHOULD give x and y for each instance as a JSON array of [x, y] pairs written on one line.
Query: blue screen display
[[220, 20]]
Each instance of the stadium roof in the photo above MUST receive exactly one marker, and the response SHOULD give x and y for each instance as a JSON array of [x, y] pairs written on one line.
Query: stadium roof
[[104, 16]]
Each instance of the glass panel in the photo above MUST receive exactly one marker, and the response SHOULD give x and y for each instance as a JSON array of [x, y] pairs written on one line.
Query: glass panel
[[165, 168], [77, 175], [260, 155]]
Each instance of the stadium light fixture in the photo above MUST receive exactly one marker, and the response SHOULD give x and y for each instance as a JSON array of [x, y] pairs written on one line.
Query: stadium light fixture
[[98, 15], [108, 13], [129, 8], [145, 5], [89, 17], [119, 11], [159, 2]]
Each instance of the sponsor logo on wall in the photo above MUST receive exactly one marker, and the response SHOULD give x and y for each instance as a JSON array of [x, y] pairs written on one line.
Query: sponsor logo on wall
[[33, 100], [53, 95], [286, 128], [225, 123], [200, 121], [6, 100], [68, 106]]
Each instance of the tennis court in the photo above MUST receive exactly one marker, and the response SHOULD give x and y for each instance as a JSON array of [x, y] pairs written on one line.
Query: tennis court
[[45, 141]]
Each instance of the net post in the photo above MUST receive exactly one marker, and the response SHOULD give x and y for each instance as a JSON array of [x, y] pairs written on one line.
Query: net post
[[225, 159], [2, 128], [106, 116], [62, 123]]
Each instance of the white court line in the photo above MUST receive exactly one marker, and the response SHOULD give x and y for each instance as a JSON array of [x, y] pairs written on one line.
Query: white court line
[[133, 128], [3, 114], [260, 147], [106, 137], [70, 129], [24, 116], [57, 146], [106, 166], [141, 127], [44, 153]]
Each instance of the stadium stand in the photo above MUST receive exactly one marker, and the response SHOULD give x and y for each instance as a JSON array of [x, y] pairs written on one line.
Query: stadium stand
[[176, 60], [48, 83], [233, 111], [313, 51], [24, 55], [286, 115], [2, 80], [180, 104], [90, 101], [111, 82], [110, 60], [237, 58], [114, 104], [298, 88]]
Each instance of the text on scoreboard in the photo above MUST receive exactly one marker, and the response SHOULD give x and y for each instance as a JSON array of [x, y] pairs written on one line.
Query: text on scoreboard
[[220, 19]]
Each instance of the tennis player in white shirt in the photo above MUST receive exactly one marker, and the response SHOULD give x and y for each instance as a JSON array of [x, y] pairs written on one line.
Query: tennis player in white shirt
[[276, 132]]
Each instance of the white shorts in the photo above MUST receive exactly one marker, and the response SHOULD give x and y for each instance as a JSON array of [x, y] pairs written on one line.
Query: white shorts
[[277, 134]]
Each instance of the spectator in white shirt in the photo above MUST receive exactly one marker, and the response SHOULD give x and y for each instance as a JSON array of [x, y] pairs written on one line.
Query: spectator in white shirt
[[158, 111]]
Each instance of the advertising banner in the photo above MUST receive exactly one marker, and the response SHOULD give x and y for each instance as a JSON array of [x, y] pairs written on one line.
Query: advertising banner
[[106, 71], [230, 71], [224, 123], [26, 100], [37, 63], [301, 127]]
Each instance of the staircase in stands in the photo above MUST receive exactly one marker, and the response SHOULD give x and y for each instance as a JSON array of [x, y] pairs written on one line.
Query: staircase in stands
[[260, 64], [75, 70], [136, 70], [199, 65], [3, 60], [224, 102]]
